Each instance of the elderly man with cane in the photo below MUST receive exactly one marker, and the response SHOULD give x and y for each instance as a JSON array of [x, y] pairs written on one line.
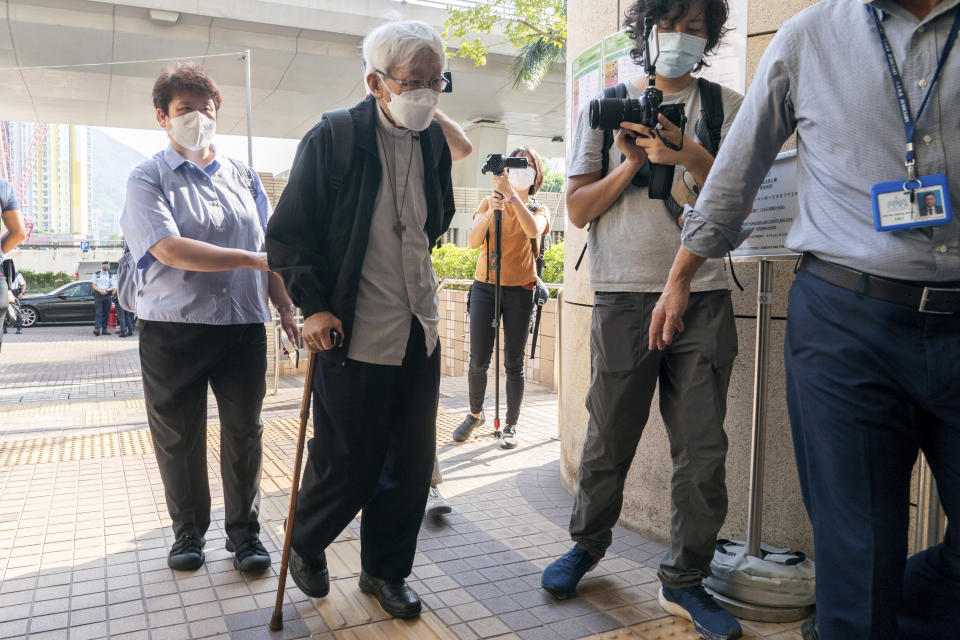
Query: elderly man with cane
[[370, 192]]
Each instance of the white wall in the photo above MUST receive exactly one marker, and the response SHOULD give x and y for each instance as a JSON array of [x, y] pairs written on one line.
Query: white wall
[[65, 260]]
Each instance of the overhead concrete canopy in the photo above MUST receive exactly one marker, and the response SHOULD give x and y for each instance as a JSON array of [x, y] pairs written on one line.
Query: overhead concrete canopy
[[305, 57]]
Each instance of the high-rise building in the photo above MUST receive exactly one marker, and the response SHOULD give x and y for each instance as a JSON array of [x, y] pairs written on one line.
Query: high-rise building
[[58, 196]]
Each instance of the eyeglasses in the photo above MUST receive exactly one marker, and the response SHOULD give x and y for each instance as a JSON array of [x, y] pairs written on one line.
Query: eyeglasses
[[437, 84]]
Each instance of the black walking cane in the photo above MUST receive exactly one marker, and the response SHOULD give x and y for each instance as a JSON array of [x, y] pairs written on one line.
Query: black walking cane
[[276, 622], [497, 164]]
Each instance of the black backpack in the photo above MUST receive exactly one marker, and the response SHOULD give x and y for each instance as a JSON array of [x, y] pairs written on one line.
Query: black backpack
[[708, 129]]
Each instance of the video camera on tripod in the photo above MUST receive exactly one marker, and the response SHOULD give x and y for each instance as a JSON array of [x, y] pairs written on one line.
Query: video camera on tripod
[[608, 113]]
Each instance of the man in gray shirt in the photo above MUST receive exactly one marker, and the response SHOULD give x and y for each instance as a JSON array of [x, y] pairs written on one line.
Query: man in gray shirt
[[631, 243], [873, 327]]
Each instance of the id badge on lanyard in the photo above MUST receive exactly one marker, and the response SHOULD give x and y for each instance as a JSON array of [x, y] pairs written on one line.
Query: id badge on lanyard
[[916, 201]]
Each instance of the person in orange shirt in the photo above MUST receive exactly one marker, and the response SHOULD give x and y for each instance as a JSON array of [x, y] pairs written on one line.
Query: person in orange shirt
[[524, 221]]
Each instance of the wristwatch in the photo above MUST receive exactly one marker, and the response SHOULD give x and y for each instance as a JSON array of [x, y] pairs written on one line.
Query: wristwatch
[[288, 307]]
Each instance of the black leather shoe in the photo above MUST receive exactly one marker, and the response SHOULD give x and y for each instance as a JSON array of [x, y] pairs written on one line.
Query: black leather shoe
[[311, 576], [105, 332], [250, 556], [96, 332], [809, 630], [186, 554], [396, 598]]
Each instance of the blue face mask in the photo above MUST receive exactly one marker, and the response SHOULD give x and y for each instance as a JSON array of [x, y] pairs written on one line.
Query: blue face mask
[[679, 53]]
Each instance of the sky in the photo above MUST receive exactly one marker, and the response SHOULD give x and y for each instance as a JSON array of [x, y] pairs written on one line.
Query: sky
[[270, 155]]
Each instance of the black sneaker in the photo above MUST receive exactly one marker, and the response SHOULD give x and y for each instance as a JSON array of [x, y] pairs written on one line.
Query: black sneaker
[[186, 554], [461, 433], [105, 332], [96, 332], [508, 439], [310, 575], [809, 630], [250, 556]]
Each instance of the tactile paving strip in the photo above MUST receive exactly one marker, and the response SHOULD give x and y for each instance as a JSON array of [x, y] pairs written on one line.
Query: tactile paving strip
[[25, 411], [426, 627], [447, 422], [136, 442]]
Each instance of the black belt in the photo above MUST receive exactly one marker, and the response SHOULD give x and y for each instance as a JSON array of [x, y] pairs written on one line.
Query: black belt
[[922, 297]]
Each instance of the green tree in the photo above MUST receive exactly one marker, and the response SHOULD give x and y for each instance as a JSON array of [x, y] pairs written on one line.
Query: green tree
[[538, 28], [553, 264], [552, 180]]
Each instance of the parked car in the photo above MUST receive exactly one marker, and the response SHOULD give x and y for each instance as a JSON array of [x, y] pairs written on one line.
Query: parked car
[[86, 268], [71, 303]]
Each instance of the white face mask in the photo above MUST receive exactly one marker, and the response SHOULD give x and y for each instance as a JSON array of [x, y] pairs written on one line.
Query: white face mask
[[413, 109], [679, 53], [193, 130], [522, 179]]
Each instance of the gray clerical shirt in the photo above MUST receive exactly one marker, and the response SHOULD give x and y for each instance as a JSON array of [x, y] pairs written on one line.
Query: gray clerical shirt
[[397, 282], [825, 75]]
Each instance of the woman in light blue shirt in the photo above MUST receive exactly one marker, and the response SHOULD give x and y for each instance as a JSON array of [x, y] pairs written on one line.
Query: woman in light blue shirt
[[194, 222]]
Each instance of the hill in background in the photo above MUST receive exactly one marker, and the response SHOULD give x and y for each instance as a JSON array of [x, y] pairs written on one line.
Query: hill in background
[[112, 163]]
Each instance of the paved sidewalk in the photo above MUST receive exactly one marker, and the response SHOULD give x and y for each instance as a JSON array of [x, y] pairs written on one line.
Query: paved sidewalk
[[84, 530]]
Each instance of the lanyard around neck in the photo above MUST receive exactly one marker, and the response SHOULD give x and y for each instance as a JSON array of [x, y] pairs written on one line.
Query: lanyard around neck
[[909, 122]]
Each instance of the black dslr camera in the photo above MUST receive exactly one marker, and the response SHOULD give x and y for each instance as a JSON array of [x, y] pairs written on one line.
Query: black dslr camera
[[497, 163], [608, 113]]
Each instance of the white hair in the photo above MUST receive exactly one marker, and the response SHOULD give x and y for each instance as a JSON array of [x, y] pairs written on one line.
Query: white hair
[[396, 44]]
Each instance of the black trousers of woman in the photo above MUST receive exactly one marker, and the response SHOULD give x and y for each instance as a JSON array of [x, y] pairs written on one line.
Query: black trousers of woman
[[516, 311]]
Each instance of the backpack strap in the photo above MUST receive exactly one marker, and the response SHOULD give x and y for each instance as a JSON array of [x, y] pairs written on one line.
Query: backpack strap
[[247, 174], [617, 91], [437, 140], [710, 124], [341, 132]]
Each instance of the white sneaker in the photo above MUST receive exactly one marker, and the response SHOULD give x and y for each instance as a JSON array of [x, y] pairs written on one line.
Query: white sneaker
[[508, 438], [436, 504]]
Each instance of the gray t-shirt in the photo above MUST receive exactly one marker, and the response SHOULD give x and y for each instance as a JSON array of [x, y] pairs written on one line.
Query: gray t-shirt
[[632, 246]]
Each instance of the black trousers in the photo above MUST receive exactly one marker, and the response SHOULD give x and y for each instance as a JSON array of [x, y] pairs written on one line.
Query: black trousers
[[101, 306], [178, 361], [3, 303], [516, 311], [373, 449]]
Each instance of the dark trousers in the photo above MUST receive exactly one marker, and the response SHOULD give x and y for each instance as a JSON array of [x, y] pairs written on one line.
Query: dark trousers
[[178, 361], [3, 304], [516, 310], [124, 319], [693, 374], [868, 384], [19, 322], [373, 449], [101, 306]]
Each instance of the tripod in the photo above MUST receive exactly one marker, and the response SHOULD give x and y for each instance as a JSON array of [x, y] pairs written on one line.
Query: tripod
[[496, 258], [497, 164]]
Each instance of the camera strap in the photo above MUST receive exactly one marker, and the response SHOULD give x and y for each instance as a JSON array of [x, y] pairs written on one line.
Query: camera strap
[[909, 122]]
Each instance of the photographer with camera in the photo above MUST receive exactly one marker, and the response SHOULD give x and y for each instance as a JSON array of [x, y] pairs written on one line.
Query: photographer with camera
[[524, 222], [632, 240], [370, 193], [872, 348]]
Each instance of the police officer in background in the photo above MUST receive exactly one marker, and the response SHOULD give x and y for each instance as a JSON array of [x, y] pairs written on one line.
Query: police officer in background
[[104, 286], [873, 323]]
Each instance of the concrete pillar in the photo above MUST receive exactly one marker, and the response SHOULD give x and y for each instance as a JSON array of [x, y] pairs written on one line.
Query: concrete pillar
[[487, 138], [646, 507]]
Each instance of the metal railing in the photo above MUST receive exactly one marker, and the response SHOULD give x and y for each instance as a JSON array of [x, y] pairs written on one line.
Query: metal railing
[[278, 330]]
